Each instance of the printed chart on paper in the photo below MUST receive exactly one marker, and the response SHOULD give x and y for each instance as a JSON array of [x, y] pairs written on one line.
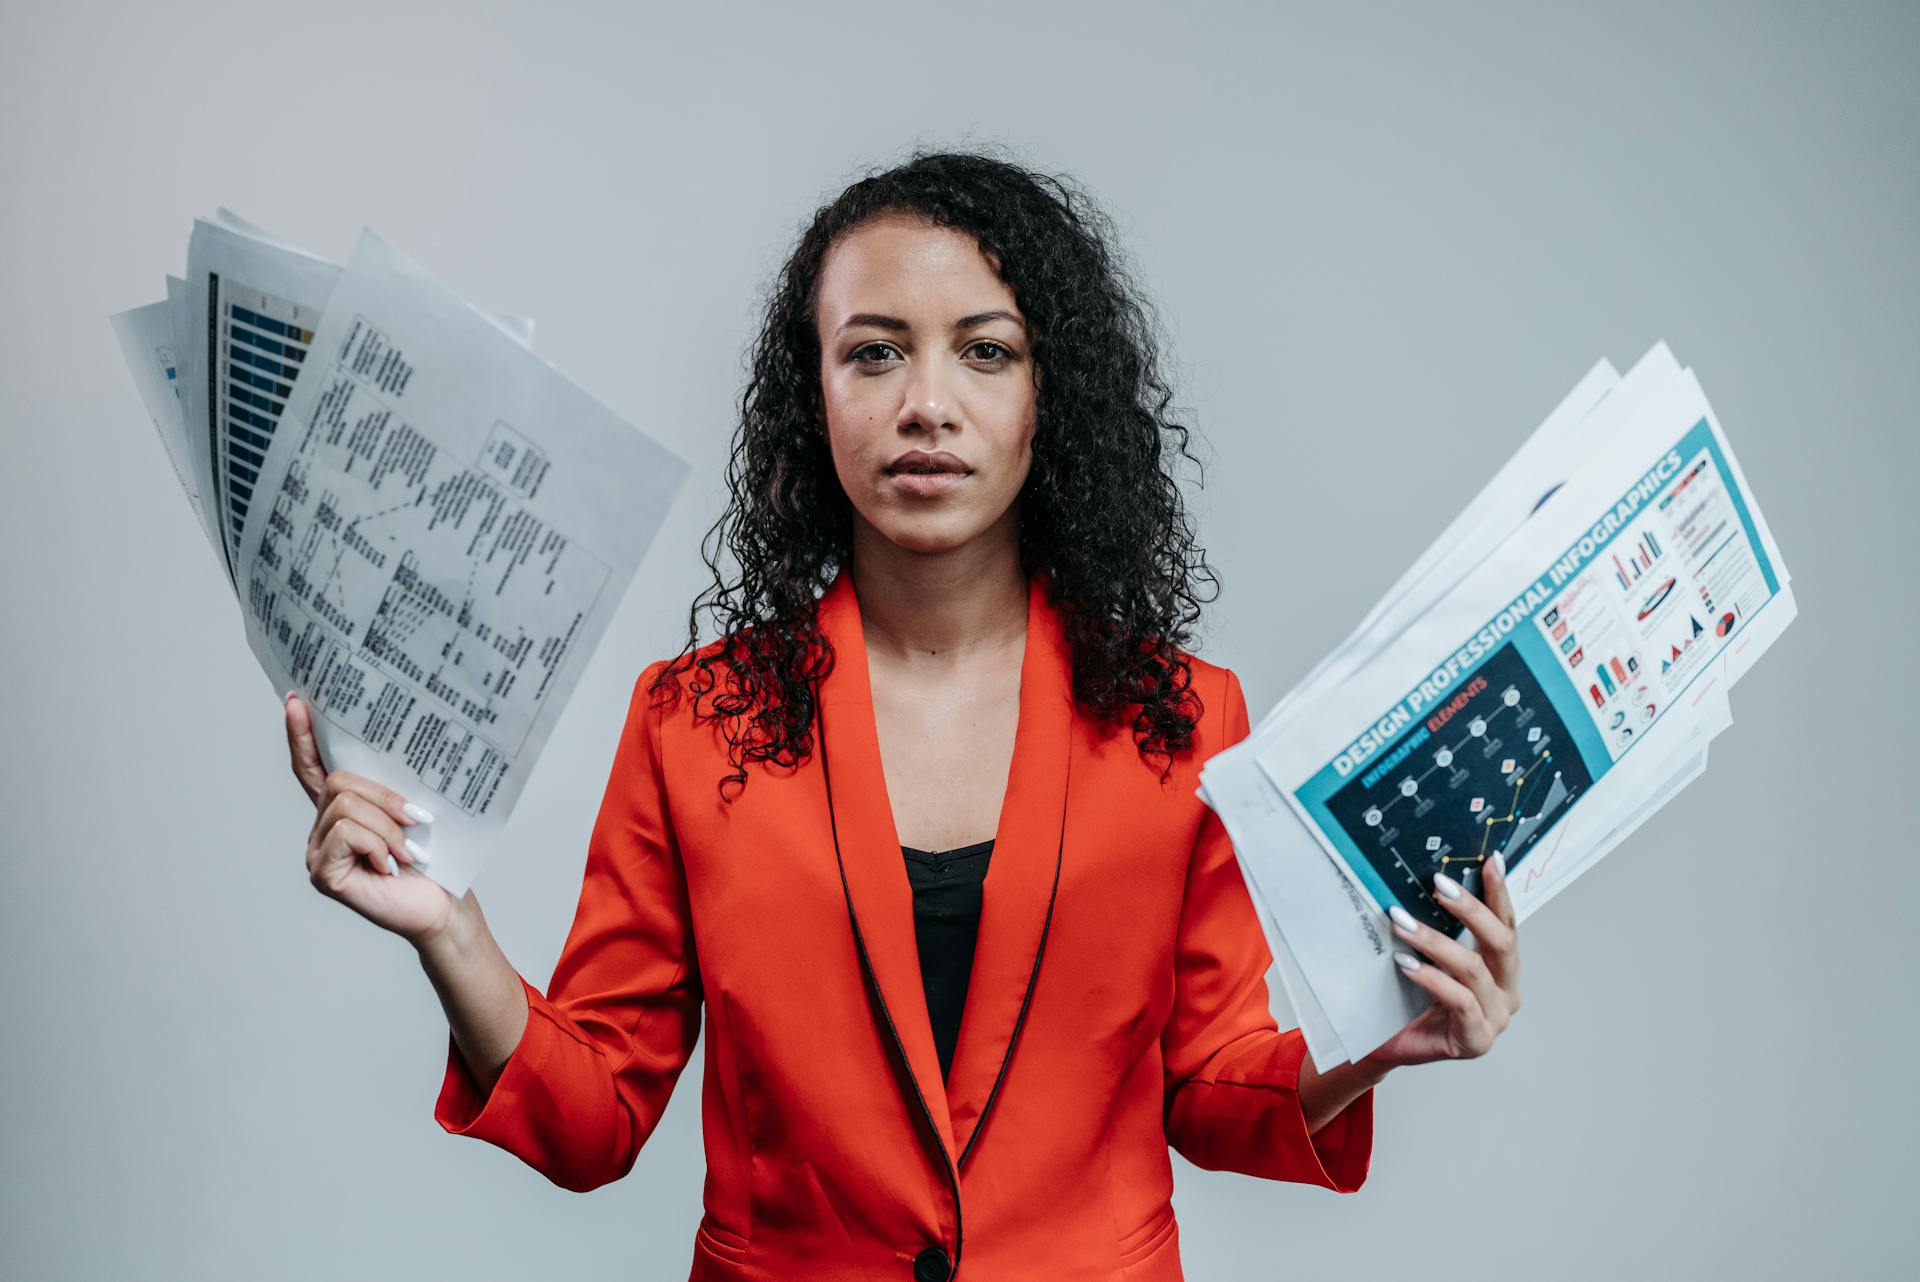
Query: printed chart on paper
[[446, 650]]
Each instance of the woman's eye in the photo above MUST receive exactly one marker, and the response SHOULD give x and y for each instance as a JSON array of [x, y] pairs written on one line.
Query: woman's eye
[[856, 353], [997, 353]]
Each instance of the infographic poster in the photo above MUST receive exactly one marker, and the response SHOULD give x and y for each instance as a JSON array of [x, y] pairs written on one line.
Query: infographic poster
[[1488, 755]]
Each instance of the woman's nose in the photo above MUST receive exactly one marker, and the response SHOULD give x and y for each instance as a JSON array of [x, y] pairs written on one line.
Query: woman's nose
[[929, 401]]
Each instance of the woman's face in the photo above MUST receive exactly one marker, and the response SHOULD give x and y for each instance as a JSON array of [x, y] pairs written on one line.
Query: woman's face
[[928, 381]]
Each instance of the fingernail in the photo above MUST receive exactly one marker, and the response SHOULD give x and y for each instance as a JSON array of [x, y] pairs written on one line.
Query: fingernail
[[1407, 961], [1447, 886], [289, 698], [393, 866], [1403, 919], [419, 856], [1499, 862], [419, 814]]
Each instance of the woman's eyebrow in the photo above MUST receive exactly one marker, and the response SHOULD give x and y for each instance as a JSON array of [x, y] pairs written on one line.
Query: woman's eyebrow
[[981, 318], [875, 319], [895, 324]]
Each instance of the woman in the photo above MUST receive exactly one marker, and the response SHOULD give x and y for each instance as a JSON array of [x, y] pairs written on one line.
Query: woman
[[954, 646]]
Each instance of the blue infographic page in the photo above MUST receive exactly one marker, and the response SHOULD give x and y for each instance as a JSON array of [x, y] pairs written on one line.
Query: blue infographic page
[[1519, 723]]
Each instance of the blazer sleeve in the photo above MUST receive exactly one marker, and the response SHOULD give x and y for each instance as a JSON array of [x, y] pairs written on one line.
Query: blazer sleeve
[[1232, 1077], [591, 1075]]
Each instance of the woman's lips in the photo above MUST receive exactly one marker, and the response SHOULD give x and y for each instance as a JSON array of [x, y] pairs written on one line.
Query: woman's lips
[[927, 473], [926, 484]]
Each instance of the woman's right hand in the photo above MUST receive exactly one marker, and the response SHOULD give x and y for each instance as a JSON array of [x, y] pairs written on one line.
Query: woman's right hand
[[357, 849]]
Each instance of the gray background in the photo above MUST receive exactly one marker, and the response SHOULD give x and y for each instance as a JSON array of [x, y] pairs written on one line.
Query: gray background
[[1385, 241]]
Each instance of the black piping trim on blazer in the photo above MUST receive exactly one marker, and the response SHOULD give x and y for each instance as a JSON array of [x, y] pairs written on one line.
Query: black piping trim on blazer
[[873, 985], [1020, 1021]]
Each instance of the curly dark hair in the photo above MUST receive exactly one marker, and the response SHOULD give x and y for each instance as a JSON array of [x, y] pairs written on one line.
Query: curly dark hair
[[1101, 510]]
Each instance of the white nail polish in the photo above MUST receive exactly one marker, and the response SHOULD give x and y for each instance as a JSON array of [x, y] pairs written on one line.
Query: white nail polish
[[1500, 865], [1407, 961], [419, 814], [1447, 886], [1402, 918], [419, 856]]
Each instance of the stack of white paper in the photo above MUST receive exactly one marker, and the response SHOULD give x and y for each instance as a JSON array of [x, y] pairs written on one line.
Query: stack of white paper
[[1545, 677], [426, 526]]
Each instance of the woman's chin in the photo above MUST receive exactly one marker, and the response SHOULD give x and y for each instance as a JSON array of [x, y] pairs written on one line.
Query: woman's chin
[[932, 534]]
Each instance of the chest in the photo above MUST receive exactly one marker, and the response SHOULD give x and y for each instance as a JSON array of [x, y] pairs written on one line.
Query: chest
[[946, 737]]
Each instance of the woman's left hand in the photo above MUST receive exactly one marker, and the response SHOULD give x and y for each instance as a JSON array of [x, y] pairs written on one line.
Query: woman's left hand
[[1475, 993]]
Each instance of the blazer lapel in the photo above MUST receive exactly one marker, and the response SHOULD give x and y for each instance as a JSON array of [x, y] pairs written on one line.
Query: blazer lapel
[[1022, 873], [879, 897]]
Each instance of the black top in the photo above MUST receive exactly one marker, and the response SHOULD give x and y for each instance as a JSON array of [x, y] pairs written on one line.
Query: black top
[[946, 919]]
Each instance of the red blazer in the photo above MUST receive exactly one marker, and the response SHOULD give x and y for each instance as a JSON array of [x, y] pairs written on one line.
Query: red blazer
[[1117, 1003]]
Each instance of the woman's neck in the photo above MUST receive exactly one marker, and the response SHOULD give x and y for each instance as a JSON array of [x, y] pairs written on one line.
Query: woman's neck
[[949, 604]]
